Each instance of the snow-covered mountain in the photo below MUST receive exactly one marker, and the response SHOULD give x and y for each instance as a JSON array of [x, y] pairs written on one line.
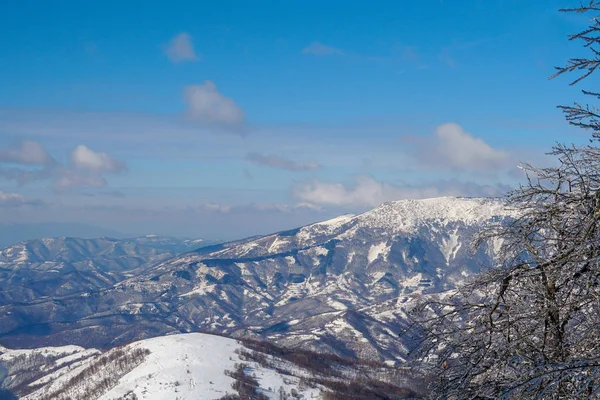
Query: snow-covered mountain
[[50, 267], [337, 286], [191, 366]]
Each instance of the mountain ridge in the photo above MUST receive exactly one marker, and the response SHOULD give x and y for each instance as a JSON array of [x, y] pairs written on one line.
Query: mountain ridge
[[342, 283]]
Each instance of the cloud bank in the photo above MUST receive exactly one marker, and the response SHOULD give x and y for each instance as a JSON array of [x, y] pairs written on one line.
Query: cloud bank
[[366, 191], [8, 199], [29, 161]]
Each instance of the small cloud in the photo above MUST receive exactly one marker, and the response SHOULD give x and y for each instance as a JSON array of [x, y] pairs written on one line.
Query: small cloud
[[181, 48], [216, 208], [206, 105], [320, 49], [366, 191], [26, 152], [84, 158], [453, 147], [16, 200], [280, 162]]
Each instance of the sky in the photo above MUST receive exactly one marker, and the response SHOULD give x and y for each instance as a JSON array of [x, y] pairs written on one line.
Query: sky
[[233, 118]]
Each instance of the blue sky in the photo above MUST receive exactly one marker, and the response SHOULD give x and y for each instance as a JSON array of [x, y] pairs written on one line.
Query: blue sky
[[226, 119]]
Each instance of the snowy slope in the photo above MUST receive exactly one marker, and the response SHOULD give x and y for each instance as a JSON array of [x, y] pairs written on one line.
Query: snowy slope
[[186, 366], [192, 366]]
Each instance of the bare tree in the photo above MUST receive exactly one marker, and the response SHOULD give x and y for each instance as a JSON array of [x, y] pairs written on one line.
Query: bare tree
[[529, 327]]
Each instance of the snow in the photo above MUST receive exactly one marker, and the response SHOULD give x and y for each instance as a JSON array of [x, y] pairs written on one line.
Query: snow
[[450, 246], [78, 355], [412, 281], [277, 244], [376, 250], [290, 260], [406, 215], [307, 233], [48, 351], [351, 256], [131, 308], [320, 251], [247, 248], [336, 222], [336, 305], [497, 245], [23, 255], [191, 366], [377, 276]]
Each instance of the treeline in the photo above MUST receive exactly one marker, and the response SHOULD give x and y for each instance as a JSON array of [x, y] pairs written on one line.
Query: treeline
[[99, 376], [338, 378], [246, 386], [29, 367]]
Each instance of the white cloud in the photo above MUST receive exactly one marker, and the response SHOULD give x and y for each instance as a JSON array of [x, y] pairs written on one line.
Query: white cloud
[[26, 152], [8, 199], [281, 162], [181, 48], [320, 49], [366, 191], [207, 105], [216, 208], [453, 147], [87, 166], [84, 158]]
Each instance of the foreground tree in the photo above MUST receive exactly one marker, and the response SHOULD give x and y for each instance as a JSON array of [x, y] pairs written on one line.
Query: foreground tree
[[529, 327]]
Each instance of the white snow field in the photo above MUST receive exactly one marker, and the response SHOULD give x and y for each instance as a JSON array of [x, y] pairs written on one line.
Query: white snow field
[[182, 366]]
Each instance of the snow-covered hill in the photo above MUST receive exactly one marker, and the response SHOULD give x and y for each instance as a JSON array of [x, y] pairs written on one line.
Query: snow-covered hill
[[337, 286], [188, 366]]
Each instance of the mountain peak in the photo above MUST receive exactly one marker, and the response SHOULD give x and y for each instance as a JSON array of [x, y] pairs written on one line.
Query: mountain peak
[[403, 215]]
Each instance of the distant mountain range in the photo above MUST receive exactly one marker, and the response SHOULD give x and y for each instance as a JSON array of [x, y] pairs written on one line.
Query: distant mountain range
[[14, 233], [338, 286], [52, 267]]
